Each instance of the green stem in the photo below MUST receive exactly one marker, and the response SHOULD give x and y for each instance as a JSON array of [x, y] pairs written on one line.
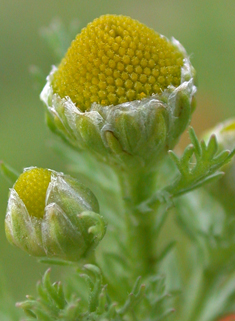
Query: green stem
[[137, 185]]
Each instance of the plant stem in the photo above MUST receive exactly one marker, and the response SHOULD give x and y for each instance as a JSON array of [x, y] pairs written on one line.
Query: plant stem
[[137, 185]]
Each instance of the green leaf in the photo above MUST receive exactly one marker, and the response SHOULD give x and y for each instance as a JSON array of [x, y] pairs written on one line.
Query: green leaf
[[198, 165], [200, 170], [134, 297], [57, 297], [157, 298], [54, 301]]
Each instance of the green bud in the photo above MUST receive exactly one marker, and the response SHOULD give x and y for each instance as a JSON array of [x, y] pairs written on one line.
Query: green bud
[[50, 214], [225, 134], [224, 189]]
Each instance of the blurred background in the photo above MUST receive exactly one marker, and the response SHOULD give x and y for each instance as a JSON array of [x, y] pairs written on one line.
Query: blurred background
[[205, 28]]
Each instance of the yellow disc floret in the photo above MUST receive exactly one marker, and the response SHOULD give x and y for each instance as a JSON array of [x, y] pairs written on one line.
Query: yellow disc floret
[[116, 59], [31, 187]]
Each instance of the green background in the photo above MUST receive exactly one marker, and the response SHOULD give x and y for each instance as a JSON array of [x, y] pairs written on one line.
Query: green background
[[205, 28]]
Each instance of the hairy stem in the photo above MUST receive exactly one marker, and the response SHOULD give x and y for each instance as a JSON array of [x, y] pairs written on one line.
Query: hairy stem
[[137, 185]]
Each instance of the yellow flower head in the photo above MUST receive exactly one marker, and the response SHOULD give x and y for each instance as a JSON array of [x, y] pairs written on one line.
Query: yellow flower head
[[31, 187], [117, 59]]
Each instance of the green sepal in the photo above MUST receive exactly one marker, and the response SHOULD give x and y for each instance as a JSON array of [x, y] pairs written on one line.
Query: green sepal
[[71, 240], [22, 230], [61, 121], [57, 130], [90, 135], [129, 132], [114, 144], [60, 237], [55, 125], [158, 127], [67, 192], [181, 115], [120, 156]]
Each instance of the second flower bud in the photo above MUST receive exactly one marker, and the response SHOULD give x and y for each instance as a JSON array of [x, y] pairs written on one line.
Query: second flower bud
[[52, 215]]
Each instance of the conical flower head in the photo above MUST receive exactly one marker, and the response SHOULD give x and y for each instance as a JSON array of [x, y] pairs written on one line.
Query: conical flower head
[[122, 91], [116, 59], [51, 214]]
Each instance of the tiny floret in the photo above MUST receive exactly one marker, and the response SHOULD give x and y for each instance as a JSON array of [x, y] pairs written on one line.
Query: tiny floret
[[116, 59]]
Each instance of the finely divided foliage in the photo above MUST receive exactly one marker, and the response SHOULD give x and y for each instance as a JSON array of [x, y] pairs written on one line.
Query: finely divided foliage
[[52, 303], [199, 164]]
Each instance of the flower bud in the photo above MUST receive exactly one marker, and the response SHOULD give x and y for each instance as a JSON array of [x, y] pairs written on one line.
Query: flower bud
[[121, 89], [224, 189], [51, 214], [225, 134]]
